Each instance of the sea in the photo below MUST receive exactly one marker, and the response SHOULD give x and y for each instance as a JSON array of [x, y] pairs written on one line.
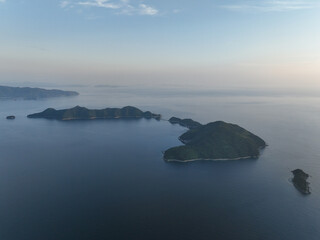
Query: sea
[[107, 180]]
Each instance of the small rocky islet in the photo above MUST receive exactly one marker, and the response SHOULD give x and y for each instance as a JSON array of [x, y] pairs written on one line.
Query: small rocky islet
[[11, 117], [299, 180]]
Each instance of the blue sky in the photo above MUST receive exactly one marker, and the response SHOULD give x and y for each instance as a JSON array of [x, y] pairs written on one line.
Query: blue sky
[[213, 42]]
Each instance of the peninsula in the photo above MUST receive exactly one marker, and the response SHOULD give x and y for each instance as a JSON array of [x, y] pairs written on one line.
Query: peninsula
[[188, 123], [216, 141], [300, 181], [82, 113], [28, 93]]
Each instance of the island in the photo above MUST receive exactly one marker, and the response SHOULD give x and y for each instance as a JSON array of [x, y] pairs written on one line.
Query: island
[[28, 93], [216, 141], [82, 113], [11, 117], [300, 181], [188, 123]]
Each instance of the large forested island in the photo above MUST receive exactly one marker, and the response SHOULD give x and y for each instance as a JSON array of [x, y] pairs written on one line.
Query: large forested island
[[216, 141], [28, 93], [213, 141], [82, 113]]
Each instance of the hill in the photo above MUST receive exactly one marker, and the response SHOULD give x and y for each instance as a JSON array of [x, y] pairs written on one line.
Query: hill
[[216, 141], [82, 113], [28, 93]]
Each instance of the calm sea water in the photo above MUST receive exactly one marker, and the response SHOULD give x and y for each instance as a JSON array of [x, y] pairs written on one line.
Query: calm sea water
[[106, 179]]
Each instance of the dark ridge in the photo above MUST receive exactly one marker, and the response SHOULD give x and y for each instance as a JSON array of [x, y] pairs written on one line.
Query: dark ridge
[[82, 113], [28, 93], [216, 141], [188, 123]]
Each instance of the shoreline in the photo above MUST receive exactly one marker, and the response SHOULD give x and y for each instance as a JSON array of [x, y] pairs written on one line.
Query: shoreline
[[301, 190], [210, 159], [92, 118]]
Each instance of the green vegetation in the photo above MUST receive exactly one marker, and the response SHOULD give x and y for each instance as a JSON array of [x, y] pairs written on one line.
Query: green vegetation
[[217, 140], [300, 181], [188, 123], [82, 113], [28, 93]]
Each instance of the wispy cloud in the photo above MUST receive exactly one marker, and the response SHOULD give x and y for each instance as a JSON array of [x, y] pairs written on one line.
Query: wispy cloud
[[140, 9], [127, 7], [271, 6], [147, 10], [100, 3], [64, 4], [2, 1]]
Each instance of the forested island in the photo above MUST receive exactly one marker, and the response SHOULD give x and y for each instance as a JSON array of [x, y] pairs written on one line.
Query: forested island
[[216, 141], [82, 113], [28, 93], [213, 141]]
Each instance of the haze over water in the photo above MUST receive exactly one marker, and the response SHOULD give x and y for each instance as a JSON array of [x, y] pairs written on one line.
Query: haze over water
[[106, 179], [254, 63]]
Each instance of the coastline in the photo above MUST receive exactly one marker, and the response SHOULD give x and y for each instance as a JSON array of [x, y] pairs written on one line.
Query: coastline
[[92, 118], [301, 190], [210, 159]]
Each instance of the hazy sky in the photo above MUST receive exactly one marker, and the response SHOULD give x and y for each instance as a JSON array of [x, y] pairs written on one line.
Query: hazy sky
[[216, 42]]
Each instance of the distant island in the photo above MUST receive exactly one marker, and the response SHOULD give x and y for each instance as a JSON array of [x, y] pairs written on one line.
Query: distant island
[[11, 117], [216, 141], [28, 93], [82, 113], [300, 181]]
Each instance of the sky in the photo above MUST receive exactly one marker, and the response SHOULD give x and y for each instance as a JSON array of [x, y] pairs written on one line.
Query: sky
[[210, 43]]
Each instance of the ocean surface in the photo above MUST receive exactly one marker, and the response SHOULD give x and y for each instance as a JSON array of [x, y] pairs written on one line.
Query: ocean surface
[[106, 179]]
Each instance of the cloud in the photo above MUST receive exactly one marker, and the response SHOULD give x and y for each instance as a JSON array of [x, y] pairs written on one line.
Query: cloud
[[100, 3], [271, 6], [147, 10], [125, 7], [2, 1], [64, 4]]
